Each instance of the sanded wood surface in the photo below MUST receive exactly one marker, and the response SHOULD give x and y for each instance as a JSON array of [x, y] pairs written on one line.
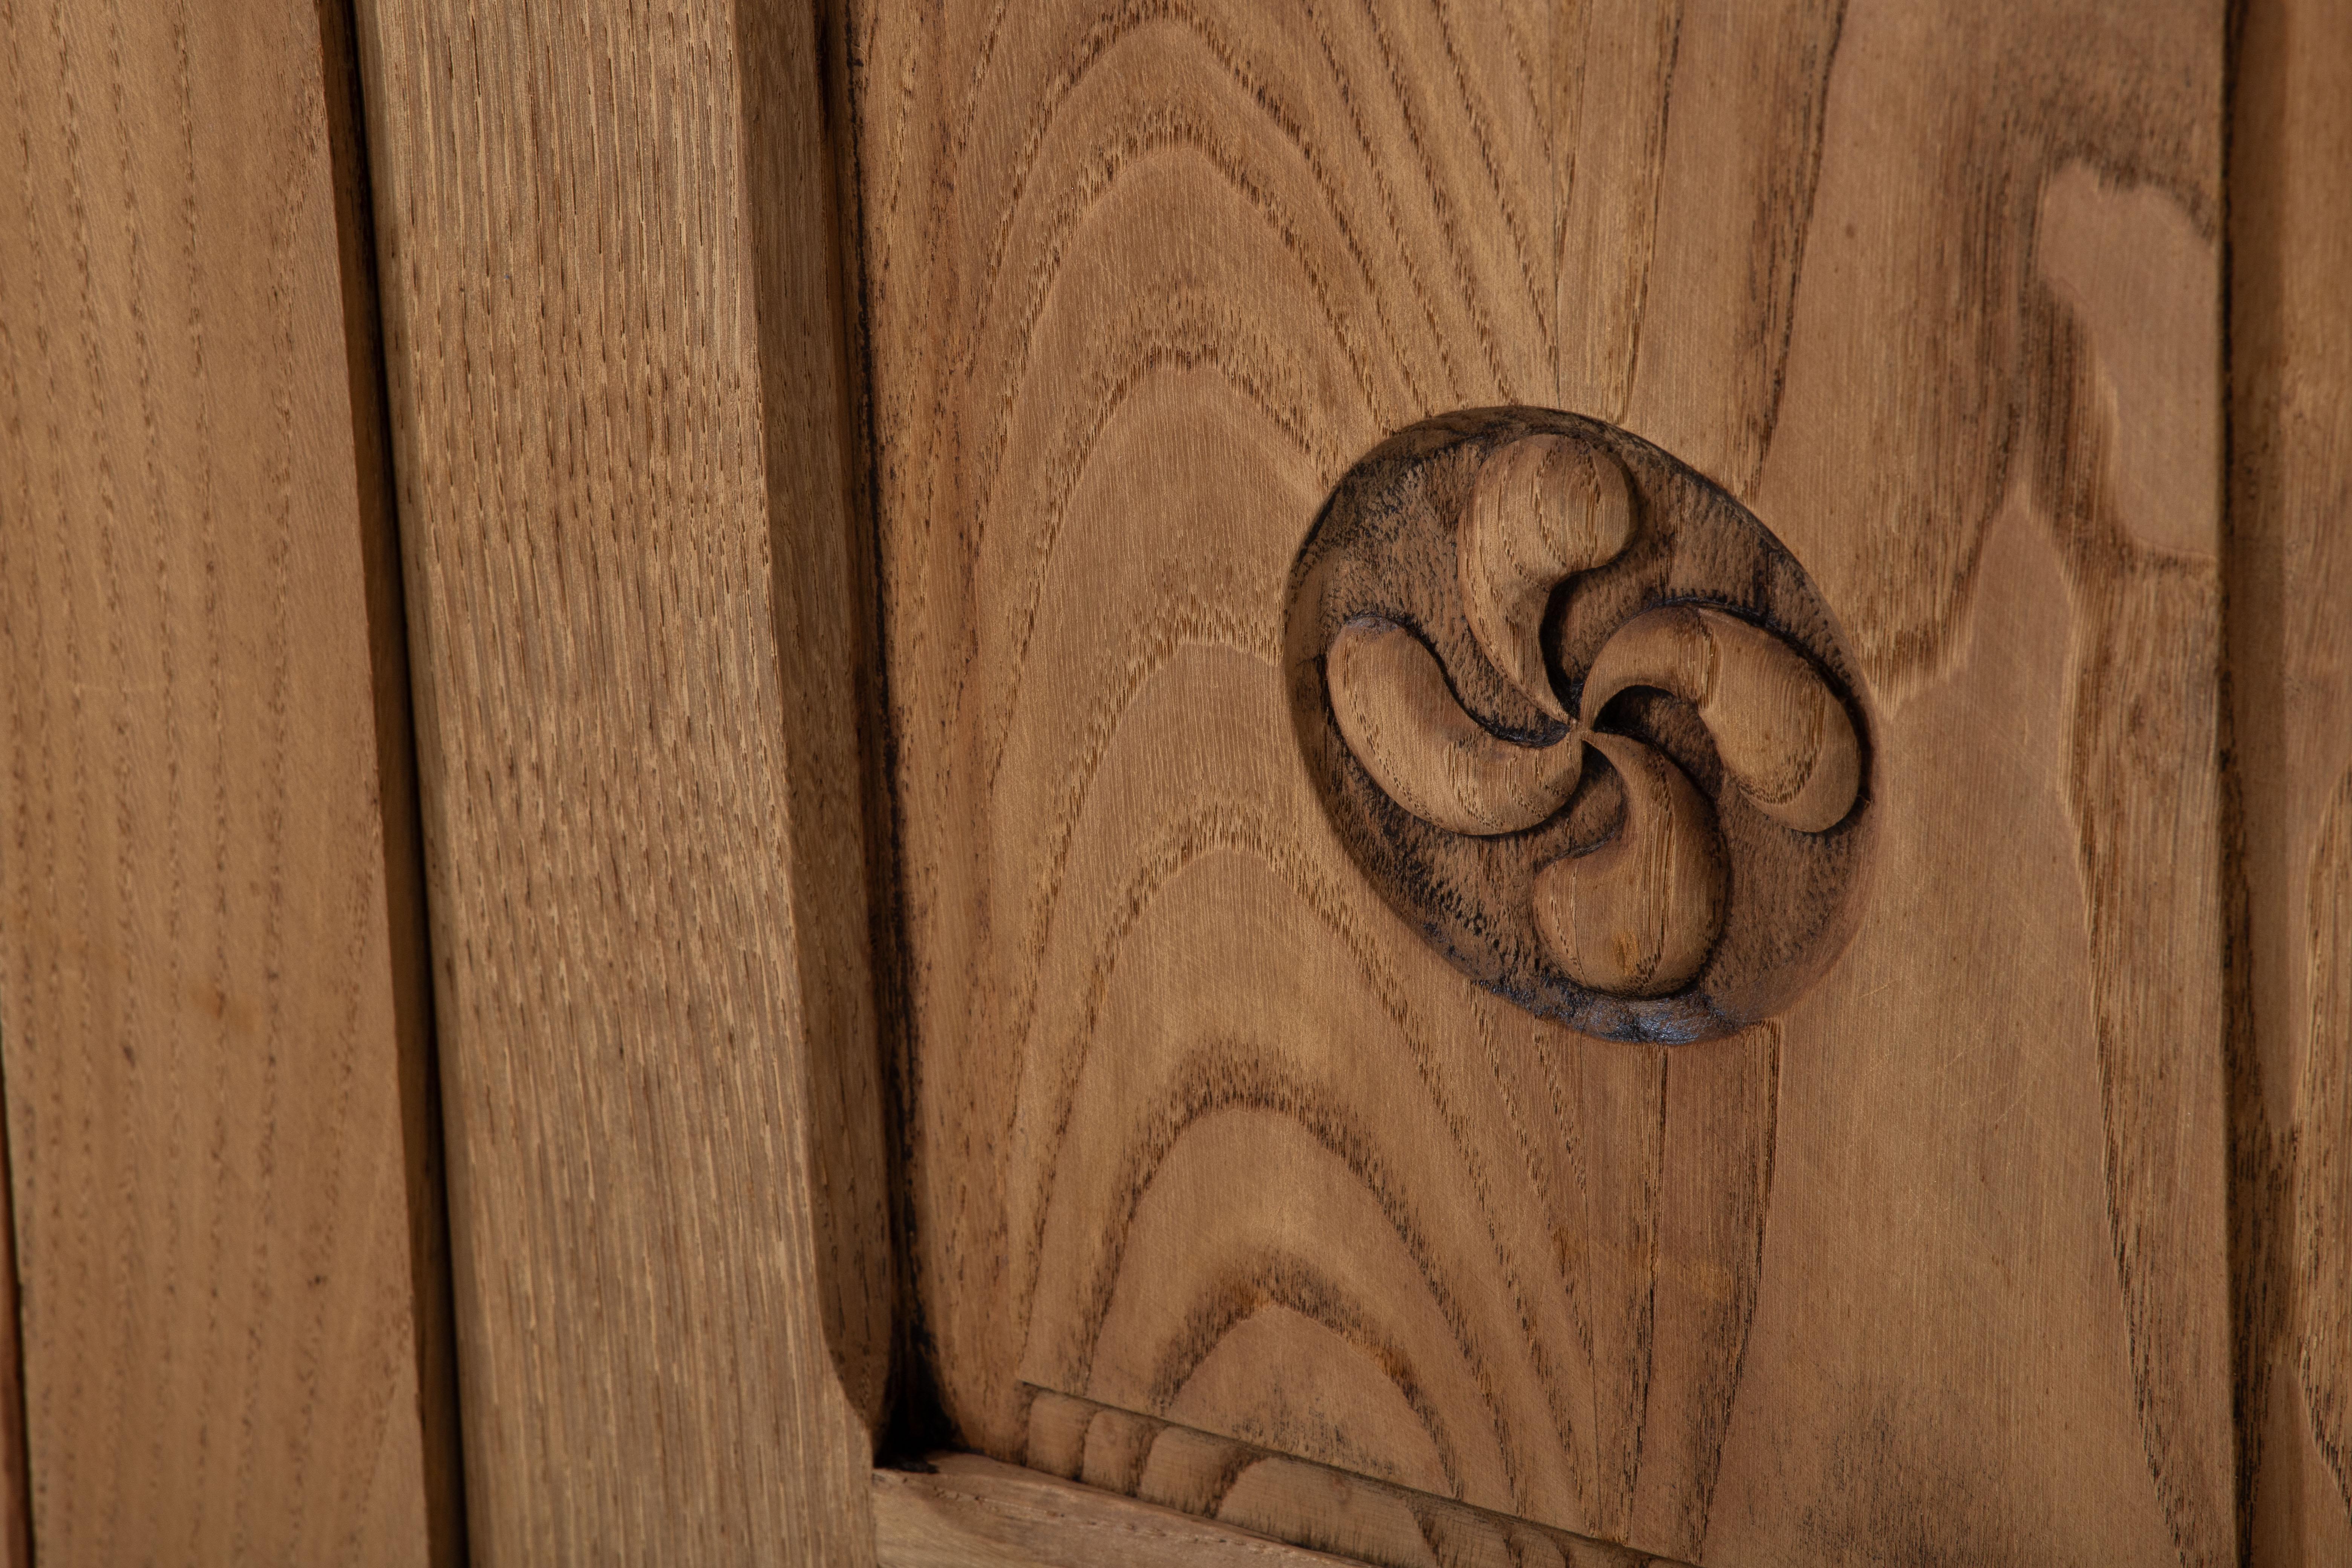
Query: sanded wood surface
[[2291, 688], [211, 990], [634, 993], [1310, 1504], [1935, 1262], [15, 1479], [967, 1512]]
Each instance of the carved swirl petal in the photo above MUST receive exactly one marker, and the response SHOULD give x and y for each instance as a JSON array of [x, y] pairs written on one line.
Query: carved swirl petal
[[1637, 916], [1401, 720], [1542, 509], [1784, 735]]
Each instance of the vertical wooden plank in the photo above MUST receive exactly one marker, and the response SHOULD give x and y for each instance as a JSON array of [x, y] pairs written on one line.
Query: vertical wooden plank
[[1931, 1265], [15, 1479], [209, 987], [2291, 687], [637, 993]]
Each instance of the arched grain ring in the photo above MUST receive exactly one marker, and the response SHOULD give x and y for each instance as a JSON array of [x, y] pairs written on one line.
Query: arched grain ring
[[1584, 721]]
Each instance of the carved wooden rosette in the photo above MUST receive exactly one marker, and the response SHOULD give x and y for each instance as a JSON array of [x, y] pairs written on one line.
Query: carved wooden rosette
[[1584, 721]]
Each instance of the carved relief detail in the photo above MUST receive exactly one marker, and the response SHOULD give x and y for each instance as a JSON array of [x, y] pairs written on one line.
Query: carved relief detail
[[1582, 719]]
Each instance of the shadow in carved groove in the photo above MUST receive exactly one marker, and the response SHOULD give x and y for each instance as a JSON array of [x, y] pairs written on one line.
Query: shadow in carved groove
[[1584, 722]]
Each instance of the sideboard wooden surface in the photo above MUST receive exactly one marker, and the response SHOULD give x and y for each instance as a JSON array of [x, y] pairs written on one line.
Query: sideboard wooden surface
[[637, 1009], [2290, 667], [1201, 1128], [853, 782], [232, 1293]]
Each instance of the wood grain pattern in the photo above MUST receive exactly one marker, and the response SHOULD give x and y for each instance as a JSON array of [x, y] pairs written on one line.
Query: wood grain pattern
[[672, 1297], [2291, 710], [966, 1512], [211, 987], [1312, 1505], [16, 1477], [1199, 1128]]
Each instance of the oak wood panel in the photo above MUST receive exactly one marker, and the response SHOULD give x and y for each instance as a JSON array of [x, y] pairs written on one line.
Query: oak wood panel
[[15, 1479], [1936, 1262], [212, 988], [643, 841], [1310, 1504], [2291, 687], [967, 1512]]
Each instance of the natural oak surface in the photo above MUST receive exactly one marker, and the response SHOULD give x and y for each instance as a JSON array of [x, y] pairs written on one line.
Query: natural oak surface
[[673, 1325], [966, 1512], [1932, 1264], [210, 990], [2291, 687], [1310, 1504]]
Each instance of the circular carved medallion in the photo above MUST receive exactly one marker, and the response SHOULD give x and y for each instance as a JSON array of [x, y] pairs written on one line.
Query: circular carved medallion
[[1583, 721]]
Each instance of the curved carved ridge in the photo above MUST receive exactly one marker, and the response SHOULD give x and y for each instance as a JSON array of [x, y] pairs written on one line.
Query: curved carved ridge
[[1637, 916], [1541, 509], [1784, 735], [1403, 723]]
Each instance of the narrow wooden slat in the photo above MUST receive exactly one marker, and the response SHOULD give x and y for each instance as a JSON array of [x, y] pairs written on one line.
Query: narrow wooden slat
[[635, 818], [16, 1481], [2291, 687], [211, 988], [831, 668]]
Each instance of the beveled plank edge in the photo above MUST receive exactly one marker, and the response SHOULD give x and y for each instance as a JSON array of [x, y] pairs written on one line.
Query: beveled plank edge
[[15, 1459], [965, 1509], [434, 1303], [2288, 759], [277, 1347], [1300, 1501]]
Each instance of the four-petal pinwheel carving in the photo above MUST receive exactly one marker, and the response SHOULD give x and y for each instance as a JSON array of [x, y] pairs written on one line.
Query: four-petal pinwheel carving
[[1636, 915]]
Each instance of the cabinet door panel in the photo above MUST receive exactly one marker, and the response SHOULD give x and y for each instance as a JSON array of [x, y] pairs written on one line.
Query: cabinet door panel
[[1200, 1126]]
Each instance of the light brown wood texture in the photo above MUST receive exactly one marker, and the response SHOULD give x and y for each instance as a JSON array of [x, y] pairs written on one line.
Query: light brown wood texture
[[1426, 753], [15, 1480], [212, 991], [1933, 1265], [1312, 1505], [1542, 509], [1639, 915], [974, 1512], [2291, 688], [643, 841]]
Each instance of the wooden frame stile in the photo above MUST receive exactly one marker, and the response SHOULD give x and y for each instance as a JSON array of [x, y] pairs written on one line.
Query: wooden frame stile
[[221, 1158], [2290, 662], [619, 255], [622, 457]]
